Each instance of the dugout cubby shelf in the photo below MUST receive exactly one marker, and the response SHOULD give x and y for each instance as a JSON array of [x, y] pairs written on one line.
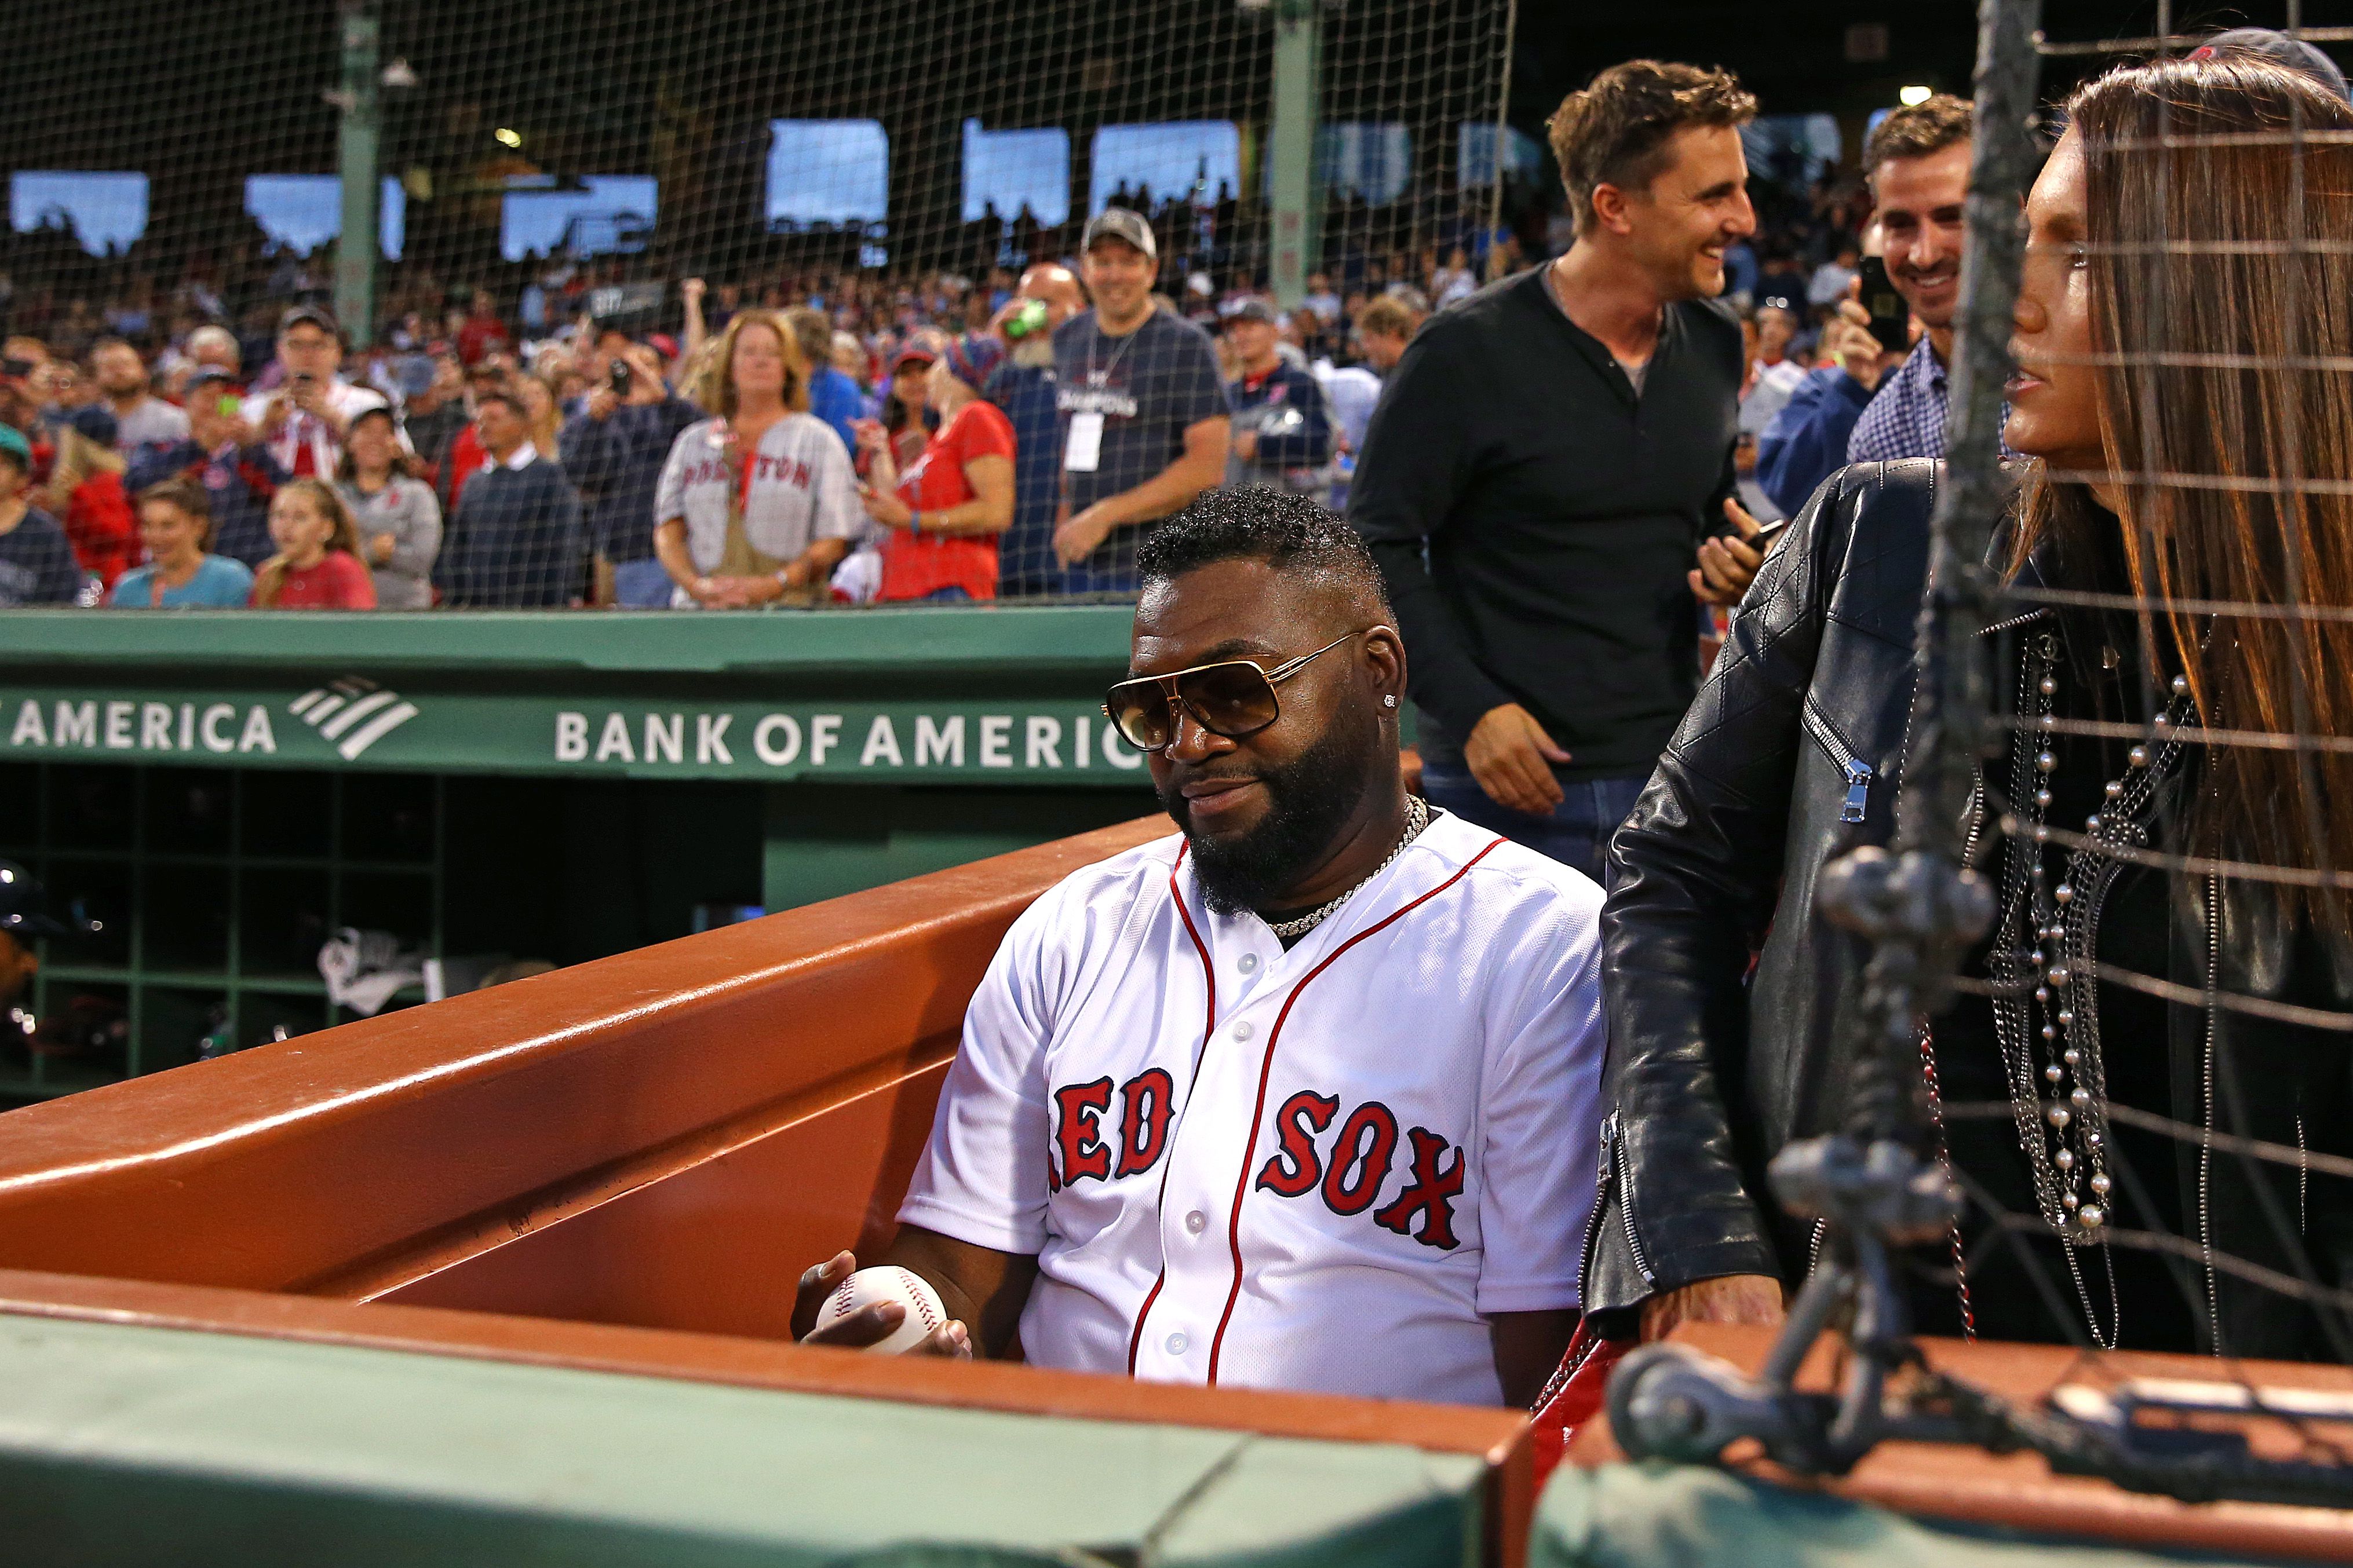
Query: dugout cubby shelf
[[213, 889]]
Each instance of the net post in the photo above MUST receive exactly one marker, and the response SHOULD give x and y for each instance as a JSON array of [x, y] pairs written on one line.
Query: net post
[[358, 142], [1291, 147]]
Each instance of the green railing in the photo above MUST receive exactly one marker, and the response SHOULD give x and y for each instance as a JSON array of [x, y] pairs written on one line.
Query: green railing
[[222, 791]]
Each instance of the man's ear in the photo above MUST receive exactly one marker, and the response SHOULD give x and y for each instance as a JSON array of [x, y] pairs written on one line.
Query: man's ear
[[1385, 655], [1609, 204]]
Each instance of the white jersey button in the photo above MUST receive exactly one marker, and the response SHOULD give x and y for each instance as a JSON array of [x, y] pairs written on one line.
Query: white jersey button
[[1196, 1221], [1243, 1031], [1177, 1344], [1248, 964]]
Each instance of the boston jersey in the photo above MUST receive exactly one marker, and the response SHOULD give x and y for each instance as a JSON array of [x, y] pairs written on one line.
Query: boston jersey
[[1315, 1169]]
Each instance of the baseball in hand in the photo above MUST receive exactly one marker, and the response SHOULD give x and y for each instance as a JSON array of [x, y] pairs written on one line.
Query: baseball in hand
[[888, 1282]]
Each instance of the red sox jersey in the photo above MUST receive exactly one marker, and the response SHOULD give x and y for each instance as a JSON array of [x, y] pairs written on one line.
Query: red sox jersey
[[1315, 1169]]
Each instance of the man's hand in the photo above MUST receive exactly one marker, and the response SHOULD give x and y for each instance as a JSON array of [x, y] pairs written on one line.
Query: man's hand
[[273, 418], [1728, 565], [691, 292], [1733, 1298], [646, 386], [601, 404], [1511, 756], [1848, 342], [870, 1325], [1079, 536], [1246, 446], [380, 549]]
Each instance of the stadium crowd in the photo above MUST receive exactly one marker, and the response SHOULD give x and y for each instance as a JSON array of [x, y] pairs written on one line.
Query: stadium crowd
[[238, 377], [1628, 1011]]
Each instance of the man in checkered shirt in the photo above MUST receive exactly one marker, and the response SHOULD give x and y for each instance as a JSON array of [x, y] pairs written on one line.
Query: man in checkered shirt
[[1860, 410]]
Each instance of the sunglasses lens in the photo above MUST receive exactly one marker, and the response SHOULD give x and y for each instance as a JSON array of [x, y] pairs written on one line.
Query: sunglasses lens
[[1141, 713], [1231, 699]]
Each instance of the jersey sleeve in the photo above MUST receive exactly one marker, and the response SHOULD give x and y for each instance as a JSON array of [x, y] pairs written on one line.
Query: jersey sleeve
[[1543, 1115], [983, 1175], [670, 491], [984, 432], [833, 488]]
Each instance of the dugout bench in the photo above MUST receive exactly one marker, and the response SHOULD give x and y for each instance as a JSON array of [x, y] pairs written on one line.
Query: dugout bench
[[507, 1277]]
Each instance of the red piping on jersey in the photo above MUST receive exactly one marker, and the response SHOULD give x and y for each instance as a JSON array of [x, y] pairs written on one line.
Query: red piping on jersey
[[1266, 1070], [1208, 1027]]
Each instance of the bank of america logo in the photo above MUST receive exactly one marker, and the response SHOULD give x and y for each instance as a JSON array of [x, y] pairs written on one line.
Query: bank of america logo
[[353, 713]]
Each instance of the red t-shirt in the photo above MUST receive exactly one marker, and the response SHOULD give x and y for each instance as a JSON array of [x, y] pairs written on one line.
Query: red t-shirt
[[461, 462], [337, 582], [479, 336], [914, 566]]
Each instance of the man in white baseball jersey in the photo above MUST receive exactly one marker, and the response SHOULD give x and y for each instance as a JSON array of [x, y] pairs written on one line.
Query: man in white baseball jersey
[[1305, 1097]]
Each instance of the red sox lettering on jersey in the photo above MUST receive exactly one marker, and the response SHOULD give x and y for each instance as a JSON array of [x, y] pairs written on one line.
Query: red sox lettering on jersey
[[1240, 1165]]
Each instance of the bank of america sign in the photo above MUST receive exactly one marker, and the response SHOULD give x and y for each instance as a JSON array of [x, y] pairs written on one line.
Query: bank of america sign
[[353, 713]]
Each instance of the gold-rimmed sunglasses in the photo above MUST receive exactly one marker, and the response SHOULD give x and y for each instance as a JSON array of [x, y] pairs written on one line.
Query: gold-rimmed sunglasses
[[1232, 698]]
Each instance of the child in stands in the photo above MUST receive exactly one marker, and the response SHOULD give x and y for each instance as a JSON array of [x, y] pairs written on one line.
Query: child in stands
[[317, 565]]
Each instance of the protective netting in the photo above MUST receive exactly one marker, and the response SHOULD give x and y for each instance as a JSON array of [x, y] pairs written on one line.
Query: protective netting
[[560, 190], [2166, 976]]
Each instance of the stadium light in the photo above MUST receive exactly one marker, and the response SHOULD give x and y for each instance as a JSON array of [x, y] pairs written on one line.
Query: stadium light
[[1913, 97], [507, 137]]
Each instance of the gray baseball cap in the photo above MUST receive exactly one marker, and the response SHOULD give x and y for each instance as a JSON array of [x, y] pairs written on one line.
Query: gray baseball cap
[[2263, 43], [1122, 223]]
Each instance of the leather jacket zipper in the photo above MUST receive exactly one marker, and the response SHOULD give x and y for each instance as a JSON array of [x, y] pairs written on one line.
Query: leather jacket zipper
[[1613, 1168], [1858, 771]]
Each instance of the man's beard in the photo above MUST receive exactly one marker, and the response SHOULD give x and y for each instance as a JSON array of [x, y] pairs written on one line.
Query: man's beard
[[1309, 799]]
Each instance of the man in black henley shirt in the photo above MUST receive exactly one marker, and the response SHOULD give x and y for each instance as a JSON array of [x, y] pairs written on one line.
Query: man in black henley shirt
[[1550, 460]]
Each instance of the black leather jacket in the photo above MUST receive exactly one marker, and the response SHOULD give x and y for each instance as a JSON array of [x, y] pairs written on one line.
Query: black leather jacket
[[1782, 764]]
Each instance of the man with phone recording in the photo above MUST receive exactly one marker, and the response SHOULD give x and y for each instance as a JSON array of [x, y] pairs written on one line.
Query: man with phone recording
[[1882, 397], [302, 420], [228, 458], [613, 450]]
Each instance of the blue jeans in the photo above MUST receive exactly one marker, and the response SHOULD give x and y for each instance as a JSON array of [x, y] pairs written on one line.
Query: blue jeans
[[642, 584], [1578, 833]]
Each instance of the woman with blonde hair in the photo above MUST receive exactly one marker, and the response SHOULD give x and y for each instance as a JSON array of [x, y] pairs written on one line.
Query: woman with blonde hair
[[758, 503], [317, 565], [2164, 829]]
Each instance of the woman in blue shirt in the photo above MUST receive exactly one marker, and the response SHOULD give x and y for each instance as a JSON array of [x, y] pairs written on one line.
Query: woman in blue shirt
[[175, 523]]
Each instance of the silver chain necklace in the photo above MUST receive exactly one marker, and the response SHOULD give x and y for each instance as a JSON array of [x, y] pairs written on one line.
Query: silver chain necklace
[[2048, 942], [1417, 817]]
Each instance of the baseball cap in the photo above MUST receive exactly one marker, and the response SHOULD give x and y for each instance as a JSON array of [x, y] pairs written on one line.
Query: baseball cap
[[318, 316], [13, 442], [912, 354], [1251, 311], [975, 357], [663, 344], [23, 903], [1122, 223], [2263, 43], [210, 375], [95, 423]]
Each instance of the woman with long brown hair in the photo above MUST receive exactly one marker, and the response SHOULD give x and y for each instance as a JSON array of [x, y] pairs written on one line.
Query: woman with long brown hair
[[758, 503], [2169, 950]]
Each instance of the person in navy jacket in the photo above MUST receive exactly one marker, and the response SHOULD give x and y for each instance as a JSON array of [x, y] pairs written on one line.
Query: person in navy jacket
[[225, 454], [1283, 433]]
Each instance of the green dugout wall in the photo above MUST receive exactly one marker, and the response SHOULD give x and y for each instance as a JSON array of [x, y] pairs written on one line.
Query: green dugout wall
[[220, 792]]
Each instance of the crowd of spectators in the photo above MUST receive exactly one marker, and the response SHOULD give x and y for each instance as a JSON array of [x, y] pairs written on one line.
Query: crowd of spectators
[[953, 399]]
